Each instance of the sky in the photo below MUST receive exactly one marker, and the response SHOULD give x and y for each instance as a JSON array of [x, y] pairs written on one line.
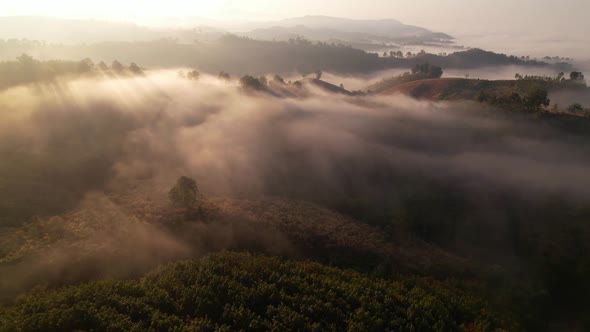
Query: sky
[[541, 14], [501, 21]]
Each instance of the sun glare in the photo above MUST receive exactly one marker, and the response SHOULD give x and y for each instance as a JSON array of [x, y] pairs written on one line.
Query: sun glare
[[113, 9]]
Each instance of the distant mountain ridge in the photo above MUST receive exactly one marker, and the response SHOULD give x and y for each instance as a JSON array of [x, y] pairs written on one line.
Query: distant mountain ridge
[[384, 27], [317, 28], [327, 28]]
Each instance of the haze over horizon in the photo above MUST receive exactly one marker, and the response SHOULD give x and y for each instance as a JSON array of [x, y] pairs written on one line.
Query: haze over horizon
[[476, 23]]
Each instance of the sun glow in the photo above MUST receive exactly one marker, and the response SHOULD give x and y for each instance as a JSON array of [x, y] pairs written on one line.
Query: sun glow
[[134, 11]]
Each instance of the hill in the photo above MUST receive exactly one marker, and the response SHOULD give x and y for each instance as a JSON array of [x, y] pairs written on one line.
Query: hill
[[325, 86], [299, 89], [388, 28], [324, 28], [59, 30], [386, 186], [27, 70], [136, 223], [480, 90], [450, 88], [240, 56], [232, 291]]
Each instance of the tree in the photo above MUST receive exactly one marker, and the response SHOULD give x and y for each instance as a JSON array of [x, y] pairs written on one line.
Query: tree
[[103, 66], [193, 75], [536, 99], [559, 76], [184, 193], [135, 69], [575, 108], [117, 66], [427, 70], [251, 83], [576, 76], [278, 79], [224, 76], [85, 66], [26, 59]]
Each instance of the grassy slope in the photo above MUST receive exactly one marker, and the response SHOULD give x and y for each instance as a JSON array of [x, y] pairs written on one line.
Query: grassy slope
[[302, 88], [469, 89], [453, 88]]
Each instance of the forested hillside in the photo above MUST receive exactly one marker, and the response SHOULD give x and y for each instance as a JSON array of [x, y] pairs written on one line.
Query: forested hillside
[[240, 56], [233, 291]]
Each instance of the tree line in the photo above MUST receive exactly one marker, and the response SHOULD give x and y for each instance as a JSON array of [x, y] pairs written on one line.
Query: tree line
[[26, 69]]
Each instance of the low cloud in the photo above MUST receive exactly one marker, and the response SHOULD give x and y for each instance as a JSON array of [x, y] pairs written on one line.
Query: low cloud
[[61, 141]]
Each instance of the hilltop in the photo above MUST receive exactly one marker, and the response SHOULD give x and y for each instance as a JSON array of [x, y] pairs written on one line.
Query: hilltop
[[238, 56], [325, 28], [232, 291], [452, 88], [484, 90], [316, 28]]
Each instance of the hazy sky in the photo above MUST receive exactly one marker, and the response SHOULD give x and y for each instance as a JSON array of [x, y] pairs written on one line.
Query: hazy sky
[[437, 14], [520, 22]]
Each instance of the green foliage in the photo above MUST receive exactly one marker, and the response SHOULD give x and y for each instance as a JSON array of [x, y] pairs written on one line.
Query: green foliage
[[135, 69], [193, 75], [233, 54], [117, 66], [576, 80], [577, 76], [27, 70], [278, 79], [507, 101], [427, 70], [184, 193], [233, 291], [537, 99], [575, 108], [224, 76], [419, 72], [252, 83]]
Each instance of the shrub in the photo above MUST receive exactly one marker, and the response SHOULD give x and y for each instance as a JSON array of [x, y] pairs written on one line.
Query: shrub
[[184, 193]]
